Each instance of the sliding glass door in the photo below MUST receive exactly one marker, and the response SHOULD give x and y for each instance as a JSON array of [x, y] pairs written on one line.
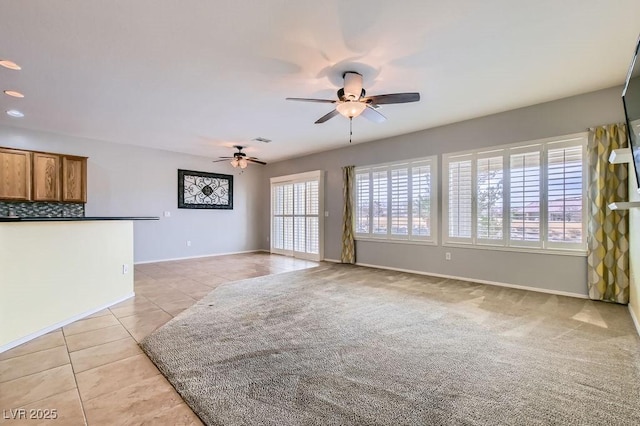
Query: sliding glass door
[[296, 215]]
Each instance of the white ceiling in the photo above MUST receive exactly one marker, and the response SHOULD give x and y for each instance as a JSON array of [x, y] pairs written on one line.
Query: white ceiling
[[198, 76]]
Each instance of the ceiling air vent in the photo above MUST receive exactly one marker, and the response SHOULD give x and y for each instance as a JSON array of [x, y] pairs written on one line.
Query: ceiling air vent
[[263, 140]]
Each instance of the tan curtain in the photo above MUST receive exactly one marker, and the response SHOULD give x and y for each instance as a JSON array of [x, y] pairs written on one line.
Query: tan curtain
[[348, 244], [608, 251]]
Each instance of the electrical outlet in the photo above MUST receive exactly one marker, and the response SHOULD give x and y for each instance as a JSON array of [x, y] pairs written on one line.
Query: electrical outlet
[[188, 243], [326, 213], [447, 256], [167, 214], [125, 268]]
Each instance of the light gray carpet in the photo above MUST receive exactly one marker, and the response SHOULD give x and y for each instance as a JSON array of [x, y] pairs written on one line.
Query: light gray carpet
[[342, 344]]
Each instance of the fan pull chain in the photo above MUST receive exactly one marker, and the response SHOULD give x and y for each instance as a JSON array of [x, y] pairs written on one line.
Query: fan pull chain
[[350, 128]]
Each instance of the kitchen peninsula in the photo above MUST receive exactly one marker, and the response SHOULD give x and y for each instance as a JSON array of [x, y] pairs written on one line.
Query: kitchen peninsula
[[56, 270]]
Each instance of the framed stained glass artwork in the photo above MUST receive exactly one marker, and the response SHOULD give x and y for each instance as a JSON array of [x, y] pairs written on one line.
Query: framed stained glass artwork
[[202, 190]]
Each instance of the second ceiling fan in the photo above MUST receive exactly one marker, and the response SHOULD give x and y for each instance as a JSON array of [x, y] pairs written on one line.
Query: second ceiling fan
[[240, 159], [352, 100]]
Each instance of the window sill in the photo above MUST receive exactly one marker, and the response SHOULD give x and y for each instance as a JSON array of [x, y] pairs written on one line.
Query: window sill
[[397, 241], [531, 250]]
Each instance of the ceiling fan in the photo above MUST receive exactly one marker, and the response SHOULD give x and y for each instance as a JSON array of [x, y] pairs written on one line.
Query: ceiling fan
[[352, 100], [240, 159]]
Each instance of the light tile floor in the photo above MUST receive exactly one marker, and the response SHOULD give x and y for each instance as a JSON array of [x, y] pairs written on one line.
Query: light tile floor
[[93, 372]]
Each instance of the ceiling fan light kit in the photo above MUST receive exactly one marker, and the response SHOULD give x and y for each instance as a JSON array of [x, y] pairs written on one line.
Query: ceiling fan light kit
[[351, 109], [239, 162]]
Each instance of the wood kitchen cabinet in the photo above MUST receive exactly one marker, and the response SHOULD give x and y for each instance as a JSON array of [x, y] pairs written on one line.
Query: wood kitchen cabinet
[[15, 175], [42, 176], [74, 179], [46, 177]]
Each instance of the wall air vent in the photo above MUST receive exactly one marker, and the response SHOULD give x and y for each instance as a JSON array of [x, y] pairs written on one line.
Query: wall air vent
[[263, 140]]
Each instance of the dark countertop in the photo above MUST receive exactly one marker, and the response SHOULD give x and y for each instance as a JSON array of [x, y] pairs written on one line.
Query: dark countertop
[[70, 219]]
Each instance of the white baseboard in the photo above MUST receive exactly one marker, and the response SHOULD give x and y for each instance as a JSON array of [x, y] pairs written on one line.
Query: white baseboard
[[332, 260], [473, 280], [60, 324], [200, 256], [635, 319]]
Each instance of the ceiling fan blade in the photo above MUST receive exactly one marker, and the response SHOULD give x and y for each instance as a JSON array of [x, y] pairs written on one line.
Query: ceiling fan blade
[[255, 160], [352, 85], [371, 114], [327, 116], [393, 98], [222, 159], [322, 101]]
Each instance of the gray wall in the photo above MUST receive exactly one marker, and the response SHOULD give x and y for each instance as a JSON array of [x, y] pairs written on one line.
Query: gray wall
[[561, 117], [125, 180]]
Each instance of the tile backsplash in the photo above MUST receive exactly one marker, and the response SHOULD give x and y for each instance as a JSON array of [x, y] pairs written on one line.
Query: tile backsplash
[[41, 209]]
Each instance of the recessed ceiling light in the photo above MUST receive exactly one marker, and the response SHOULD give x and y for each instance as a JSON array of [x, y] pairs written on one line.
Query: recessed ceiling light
[[15, 113], [13, 93], [10, 64]]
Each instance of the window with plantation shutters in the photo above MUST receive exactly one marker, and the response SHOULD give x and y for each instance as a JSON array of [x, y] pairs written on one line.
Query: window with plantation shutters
[[460, 199], [489, 198], [362, 203], [564, 195], [380, 192], [527, 195], [277, 217], [296, 218], [421, 200], [399, 180], [524, 208], [396, 201], [312, 217], [299, 218]]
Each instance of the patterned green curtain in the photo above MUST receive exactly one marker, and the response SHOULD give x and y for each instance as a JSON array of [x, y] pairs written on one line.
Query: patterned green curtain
[[608, 251], [348, 244]]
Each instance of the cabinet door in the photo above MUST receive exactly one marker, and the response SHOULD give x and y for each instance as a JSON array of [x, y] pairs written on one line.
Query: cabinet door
[[74, 179], [46, 177], [15, 175]]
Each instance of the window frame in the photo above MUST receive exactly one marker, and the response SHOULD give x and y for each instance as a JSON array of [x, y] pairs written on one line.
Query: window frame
[[409, 165], [544, 245]]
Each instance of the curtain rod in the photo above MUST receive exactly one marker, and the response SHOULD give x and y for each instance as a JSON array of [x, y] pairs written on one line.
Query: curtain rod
[[608, 124]]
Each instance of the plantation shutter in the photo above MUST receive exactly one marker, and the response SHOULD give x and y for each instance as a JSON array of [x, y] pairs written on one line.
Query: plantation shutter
[[277, 226], [421, 200], [362, 202], [312, 216], [529, 195], [379, 189], [399, 201], [565, 195], [299, 219], [288, 217], [396, 201], [296, 216], [525, 198], [460, 199], [489, 200]]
